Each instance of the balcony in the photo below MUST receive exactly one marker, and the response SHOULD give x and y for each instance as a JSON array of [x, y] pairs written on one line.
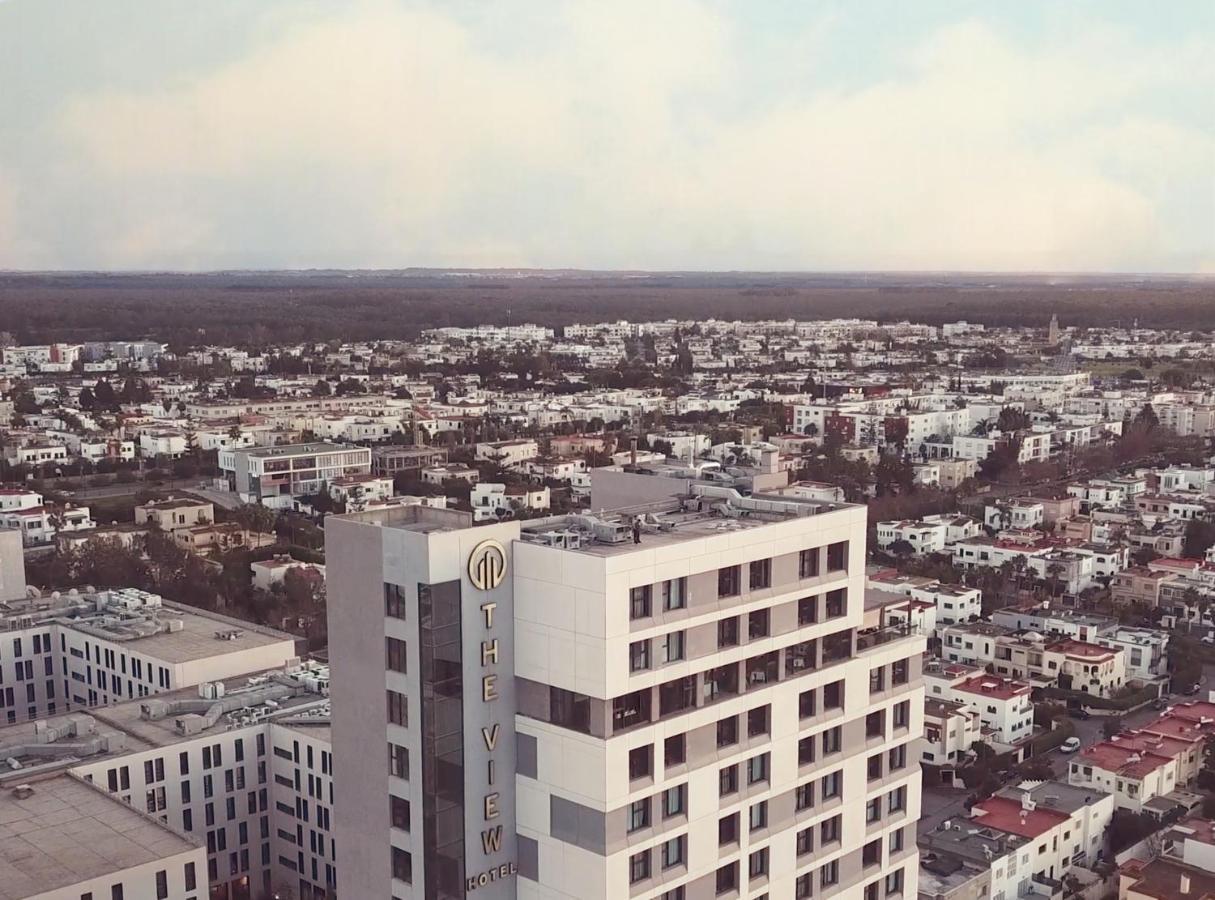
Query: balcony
[[869, 640]]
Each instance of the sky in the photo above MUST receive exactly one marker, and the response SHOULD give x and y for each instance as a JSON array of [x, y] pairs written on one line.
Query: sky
[[641, 134]]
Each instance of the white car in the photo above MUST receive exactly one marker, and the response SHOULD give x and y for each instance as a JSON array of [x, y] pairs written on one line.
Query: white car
[[1071, 745]]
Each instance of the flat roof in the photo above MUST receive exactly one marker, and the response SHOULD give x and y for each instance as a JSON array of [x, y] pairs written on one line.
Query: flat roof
[[68, 831], [299, 449]]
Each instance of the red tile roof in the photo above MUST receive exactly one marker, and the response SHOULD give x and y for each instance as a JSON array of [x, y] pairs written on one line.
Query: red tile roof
[[1007, 815]]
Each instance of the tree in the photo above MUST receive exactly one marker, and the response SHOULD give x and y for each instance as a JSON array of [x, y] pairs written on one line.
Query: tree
[[321, 389], [1199, 537], [86, 399], [901, 548], [1111, 726], [1147, 417]]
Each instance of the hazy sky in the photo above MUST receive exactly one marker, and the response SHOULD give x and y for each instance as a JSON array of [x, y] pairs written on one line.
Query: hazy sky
[[1010, 135]]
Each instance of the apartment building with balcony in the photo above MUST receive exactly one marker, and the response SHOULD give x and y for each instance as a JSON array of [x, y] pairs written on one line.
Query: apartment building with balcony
[[276, 476], [575, 709]]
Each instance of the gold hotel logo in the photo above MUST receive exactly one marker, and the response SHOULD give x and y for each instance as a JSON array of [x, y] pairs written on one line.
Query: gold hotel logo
[[487, 565]]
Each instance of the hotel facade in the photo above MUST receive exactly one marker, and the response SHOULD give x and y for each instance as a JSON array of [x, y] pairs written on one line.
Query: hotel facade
[[569, 708]]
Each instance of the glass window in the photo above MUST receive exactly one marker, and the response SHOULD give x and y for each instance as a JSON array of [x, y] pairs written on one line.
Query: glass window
[[807, 704], [398, 708], [727, 878], [727, 830], [837, 556], [760, 574], [674, 801], [757, 769], [639, 814], [727, 632], [727, 781], [727, 731], [395, 652], [807, 610], [639, 866], [674, 852], [675, 750], [394, 601], [639, 656], [837, 603], [673, 594], [641, 762], [729, 581], [757, 863], [757, 624], [757, 721], [900, 671], [807, 563], [829, 830], [639, 602], [833, 695], [673, 647], [757, 818]]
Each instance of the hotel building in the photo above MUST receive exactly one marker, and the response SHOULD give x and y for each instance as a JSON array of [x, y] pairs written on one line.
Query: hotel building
[[567, 708]]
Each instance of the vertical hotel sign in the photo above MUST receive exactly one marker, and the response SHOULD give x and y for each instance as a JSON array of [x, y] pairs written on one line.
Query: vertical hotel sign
[[486, 569]]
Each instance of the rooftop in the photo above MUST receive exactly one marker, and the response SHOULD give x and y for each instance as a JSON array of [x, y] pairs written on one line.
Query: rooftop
[[1006, 814], [297, 449], [66, 832], [1162, 878]]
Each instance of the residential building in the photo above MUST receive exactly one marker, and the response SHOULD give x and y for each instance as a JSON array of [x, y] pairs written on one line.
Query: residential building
[[174, 514], [277, 476], [698, 714]]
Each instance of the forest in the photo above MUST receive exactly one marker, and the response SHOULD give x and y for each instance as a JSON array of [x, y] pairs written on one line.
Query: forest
[[241, 308]]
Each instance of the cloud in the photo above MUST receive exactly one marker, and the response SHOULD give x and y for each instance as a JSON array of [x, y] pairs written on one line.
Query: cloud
[[622, 135]]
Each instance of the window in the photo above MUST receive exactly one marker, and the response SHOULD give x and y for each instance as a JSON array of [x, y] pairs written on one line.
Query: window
[[837, 557], [676, 696], [396, 654], [805, 751], [191, 878], [674, 801], [807, 563], [874, 767], [805, 841], [871, 890], [641, 762], [902, 714], [757, 818], [833, 784], [897, 800], [837, 603], [729, 581], [639, 656], [639, 602], [807, 704], [833, 740], [402, 865], [727, 731], [674, 852], [727, 632], [807, 610], [673, 594], [873, 810], [627, 711], [900, 671], [871, 854], [573, 711], [398, 708], [394, 601], [837, 647], [398, 761], [894, 882], [757, 864], [760, 574], [829, 874], [803, 796], [116, 892], [727, 781], [896, 842], [675, 893], [877, 680], [727, 878], [639, 866], [803, 887], [162, 885], [875, 724], [829, 830], [673, 647], [398, 809], [757, 769], [833, 695], [675, 750], [639, 815], [757, 721], [727, 830], [897, 758], [757, 624]]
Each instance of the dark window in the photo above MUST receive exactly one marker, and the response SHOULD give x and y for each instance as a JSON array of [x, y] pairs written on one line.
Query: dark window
[[727, 632], [676, 696], [727, 878], [757, 863], [569, 710], [727, 731], [757, 721], [727, 781], [757, 817], [641, 762], [757, 769], [833, 695], [829, 830], [902, 714], [729, 581], [674, 851], [833, 741], [757, 624], [760, 574], [875, 724], [837, 647], [639, 815], [675, 750], [801, 658], [398, 808], [803, 796], [673, 594], [837, 603], [873, 766], [805, 841], [899, 671], [721, 681], [639, 656], [395, 650], [402, 865], [807, 704], [398, 761], [394, 601], [807, 610], [727, 830], [630, 710], [871, 854], [640, 604], [877, 680], [837, 556], [674, 801], [191, 877], [398, 708], [162, 885], [639, 866], [807, 563], [805, 751]]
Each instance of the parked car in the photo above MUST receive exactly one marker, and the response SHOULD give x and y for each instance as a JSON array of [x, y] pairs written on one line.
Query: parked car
[[1191, 690], [1079, 713], [1160, 703], [1071, 745]]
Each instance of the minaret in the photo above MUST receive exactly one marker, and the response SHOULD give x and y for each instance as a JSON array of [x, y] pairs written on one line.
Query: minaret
[[1052, 333]]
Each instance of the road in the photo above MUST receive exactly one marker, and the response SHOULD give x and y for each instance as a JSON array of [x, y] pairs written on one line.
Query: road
[[110, 491]]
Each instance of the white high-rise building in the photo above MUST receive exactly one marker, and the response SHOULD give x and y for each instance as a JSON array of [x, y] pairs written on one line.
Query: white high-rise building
[[572, 708]]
